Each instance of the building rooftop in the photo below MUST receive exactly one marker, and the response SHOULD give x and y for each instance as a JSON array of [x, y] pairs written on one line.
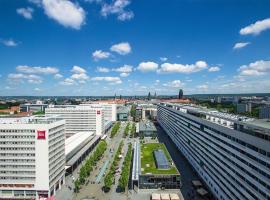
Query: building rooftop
[[161, 159], [147, 126], [123, 110], [75, 140], [148, 164], [224, 119], [29, 120]]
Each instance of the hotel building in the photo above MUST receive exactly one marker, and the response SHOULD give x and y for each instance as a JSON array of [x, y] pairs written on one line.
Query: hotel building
[[79, 118], [231, 153], [32, 157]]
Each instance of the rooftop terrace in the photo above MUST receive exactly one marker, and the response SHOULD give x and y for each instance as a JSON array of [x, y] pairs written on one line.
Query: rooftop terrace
[[148, 164]]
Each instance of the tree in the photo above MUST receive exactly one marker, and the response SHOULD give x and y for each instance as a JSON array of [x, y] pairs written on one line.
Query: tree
[[77, 185]]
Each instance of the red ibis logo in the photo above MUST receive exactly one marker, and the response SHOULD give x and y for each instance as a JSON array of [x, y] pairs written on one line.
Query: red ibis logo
[[41, 135], [98, 112]]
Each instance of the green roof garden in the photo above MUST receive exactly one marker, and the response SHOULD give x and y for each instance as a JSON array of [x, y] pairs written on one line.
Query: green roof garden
[[148, 164]]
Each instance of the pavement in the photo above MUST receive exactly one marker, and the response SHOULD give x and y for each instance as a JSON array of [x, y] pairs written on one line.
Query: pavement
[[93, 188]]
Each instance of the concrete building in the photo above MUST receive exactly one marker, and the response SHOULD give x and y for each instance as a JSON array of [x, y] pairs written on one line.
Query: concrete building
[[147, 129], [230, 153], [109, 110], [122, 113], [264, 112], [77, 147], [243, 107], [153, 168], [33, 107], [80, 118], [32, 157]]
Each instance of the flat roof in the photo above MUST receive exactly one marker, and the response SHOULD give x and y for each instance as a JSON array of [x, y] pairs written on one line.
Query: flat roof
[[161, 159], [147, 126], [29, 120], [147, 160], [75, 140], [80, 152], [136, 169]]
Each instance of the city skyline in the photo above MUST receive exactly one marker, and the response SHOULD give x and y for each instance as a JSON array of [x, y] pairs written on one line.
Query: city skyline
[[98, 47]]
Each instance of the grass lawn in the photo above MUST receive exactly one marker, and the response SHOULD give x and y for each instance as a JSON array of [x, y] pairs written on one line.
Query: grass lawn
[[148, 160]]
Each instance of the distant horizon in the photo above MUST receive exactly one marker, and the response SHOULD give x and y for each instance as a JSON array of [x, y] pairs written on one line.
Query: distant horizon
[[176, 95]]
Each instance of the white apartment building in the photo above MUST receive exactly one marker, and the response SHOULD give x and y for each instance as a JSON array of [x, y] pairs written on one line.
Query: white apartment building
[[231, 153], [32, 157], [109, 110], [79, 118]]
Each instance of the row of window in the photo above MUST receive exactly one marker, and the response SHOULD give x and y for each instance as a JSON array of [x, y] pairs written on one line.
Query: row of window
[[171, 127]]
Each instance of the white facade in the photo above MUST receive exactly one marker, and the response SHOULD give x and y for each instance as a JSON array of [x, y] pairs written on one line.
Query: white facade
[[32, 157], [109, 110], [232, 156], [80, 118]]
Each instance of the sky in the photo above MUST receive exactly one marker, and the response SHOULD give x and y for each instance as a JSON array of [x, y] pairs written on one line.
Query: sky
[[128, 47]]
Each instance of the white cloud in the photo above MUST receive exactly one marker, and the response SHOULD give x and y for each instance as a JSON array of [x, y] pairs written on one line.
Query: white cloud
[[124, 74], [58, 76], [127, 15], [122, 48], [163, 59], [78, 70], [240, 45], [99, 54], [36, 70], [115, 80], [214, 69], [68, 81], [257, 68], [174, 84], [202, 87], [25, 12], [103, 69], [65, 13], [256, 28], [117, 7], [9, 43], [147, 66], [124, 69], [180, 68], [37, 89], [37, 2], [19, 78], [79, 77]]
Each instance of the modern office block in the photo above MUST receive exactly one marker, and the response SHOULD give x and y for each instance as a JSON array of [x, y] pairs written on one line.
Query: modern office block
[[230, 153], [80, 118], [32, 157], [264, 112]]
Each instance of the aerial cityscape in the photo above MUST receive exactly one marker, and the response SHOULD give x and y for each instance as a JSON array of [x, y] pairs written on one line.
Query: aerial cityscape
[[134, 100]]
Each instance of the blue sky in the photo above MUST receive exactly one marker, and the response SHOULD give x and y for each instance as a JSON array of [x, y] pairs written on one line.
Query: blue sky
[[128, 47]]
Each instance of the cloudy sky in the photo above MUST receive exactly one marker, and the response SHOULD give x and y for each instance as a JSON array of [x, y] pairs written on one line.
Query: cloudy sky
[[128, 47]]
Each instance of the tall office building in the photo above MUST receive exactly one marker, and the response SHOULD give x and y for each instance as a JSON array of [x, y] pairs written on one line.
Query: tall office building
[[79, 118], [109, 110], [32, 157], [230, 153], [264, 112]]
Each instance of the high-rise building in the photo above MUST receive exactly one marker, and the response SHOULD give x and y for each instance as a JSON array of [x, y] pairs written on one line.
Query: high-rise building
[[264, 112], [180, 94], [243, 107], [32, 157], [79, 118], [109, 110], [230, 153]]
